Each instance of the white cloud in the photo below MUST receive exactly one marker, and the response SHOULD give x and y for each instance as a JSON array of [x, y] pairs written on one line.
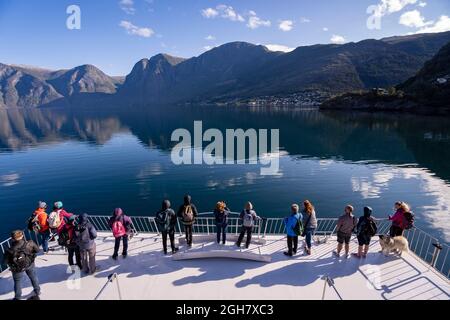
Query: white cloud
[[422, 4], [127, 6], [337, 39], [386, 7], [304, 20], [325, 29], [442, 25], [279, 47], [286, 25], [210, 13], [227, 12], [255, 22], [414, 19], [210, 38], [135, 30]]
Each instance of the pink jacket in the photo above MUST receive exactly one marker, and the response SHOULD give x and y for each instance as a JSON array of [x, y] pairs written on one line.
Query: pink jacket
[[398, 218], [63, 215]]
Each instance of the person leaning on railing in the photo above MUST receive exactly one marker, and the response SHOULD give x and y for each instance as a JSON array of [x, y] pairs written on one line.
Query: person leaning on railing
[[166, 220], [309, 224], [188, 213], [398, 219], [249, 218], [221, 213], [293, 229], [345, 226]]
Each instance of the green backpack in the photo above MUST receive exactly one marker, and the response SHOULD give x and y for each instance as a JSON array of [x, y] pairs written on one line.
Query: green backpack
[[298, 228]]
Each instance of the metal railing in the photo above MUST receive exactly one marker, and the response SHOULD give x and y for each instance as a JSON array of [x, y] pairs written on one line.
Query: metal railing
[[422, 244]]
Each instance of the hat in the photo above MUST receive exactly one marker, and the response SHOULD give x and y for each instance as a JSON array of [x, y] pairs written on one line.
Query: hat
[[42, 205], [72, 218], [58, 205], [17, 235]]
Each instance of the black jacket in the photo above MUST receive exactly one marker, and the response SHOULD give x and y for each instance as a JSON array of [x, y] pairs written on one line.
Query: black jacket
[[187, 202], [31, 249]]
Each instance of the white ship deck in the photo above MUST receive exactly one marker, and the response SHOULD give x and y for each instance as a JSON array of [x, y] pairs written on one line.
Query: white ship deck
[[148, 274]]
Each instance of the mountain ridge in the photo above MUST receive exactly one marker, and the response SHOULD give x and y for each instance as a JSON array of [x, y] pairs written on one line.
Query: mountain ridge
[[233, 71]]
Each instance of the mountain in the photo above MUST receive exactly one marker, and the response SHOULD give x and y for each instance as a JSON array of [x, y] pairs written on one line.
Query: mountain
[[233, 72], [170, 79], [19, 89], [426, 92], [83, 79], [242, 70]]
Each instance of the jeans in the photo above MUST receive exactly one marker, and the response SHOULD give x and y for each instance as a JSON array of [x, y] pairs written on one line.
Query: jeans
[[292, 243], [188, 231], [171, 234], [117, 245], [222, 231], [308, 236], [395, 231], [44, 237], [17, 276], [88, 259], [244, 230], [74, 251]]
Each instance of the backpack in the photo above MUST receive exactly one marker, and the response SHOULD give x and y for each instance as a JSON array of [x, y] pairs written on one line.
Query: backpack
[[298, 228], [33, 224], [163, 220], [248, 219], [54, 220], [64, 238], [21, 259], [408, 220], [369, 228], [118, 229], [188, 214]]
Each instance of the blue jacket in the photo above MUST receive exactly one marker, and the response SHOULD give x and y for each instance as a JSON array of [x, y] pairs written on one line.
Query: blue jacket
[[290, 223]]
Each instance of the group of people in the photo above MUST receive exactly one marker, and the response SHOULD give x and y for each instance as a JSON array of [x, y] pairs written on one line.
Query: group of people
[[304, 223], [77, 235]]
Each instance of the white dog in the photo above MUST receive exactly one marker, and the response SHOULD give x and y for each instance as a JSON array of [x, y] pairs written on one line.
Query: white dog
[[389, 244]]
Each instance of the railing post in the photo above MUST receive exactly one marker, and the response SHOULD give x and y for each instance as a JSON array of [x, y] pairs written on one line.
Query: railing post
[[265, 228], [437, 250]]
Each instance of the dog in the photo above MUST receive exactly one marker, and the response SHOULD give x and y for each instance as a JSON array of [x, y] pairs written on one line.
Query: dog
[[389, 244]]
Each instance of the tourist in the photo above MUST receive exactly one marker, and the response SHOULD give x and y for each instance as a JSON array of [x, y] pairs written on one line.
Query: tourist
[[166, 220], [188, 213], [398, 219], [249, 218], [309, 224], [58, 217], [39, 224], [294, 228], [67, 239], [345, 226], [365, 230], [120, 225], [20, 260], [221, 213], [85, 235]]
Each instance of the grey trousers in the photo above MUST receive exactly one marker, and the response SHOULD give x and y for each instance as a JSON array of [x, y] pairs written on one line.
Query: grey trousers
[[88, 259]]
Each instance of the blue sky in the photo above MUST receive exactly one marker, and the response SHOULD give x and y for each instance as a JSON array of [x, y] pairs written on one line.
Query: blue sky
[[115, 34]]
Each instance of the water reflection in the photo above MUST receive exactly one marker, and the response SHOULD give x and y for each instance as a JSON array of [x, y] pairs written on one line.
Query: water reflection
[[366, 159]]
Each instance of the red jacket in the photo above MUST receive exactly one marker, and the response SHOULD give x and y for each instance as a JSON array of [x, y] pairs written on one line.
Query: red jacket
[[398, 218]]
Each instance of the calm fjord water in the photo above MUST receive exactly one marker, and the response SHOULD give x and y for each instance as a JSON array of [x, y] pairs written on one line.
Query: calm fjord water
[[96, 161]]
